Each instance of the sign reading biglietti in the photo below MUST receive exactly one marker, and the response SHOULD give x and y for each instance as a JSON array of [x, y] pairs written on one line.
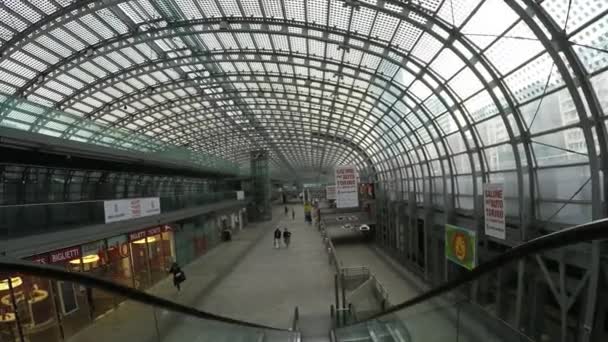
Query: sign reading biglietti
[[461, 246]]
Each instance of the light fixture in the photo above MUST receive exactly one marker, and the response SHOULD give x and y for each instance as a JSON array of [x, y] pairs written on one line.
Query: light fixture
[[142, 241], [87, 259], [15, 282]]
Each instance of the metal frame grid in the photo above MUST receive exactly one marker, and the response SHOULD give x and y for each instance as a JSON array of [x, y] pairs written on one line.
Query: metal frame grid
[[430, 98]]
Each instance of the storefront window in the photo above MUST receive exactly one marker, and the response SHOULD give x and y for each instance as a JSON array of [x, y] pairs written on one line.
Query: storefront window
[[185, 244], [95, 262], [71, 299], [152, 252], [160, 251], [35, 307], [139, 259], [119, 264], [8, 314]]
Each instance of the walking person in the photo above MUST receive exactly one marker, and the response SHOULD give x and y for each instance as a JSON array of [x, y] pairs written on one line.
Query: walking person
[[178, 275], [286, 237], [293, 214], [286, 211], [277, 238]]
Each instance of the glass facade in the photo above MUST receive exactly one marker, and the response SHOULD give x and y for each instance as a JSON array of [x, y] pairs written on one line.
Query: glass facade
[[431, 99], [48, 311]]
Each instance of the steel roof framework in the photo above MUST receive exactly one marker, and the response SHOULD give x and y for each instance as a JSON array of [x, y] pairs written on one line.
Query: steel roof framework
[[415, 85]]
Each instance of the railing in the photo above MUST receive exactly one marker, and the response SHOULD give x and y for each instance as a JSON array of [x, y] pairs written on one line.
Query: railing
[[296, 320], [331, 250], [447, 313], [28, 219]]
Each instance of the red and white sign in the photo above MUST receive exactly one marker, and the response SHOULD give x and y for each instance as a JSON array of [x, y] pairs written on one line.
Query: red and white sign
[[494, 208], [330, 191], [137, 235], [64, 255], [127, 209], [140, 234], [347, 195]]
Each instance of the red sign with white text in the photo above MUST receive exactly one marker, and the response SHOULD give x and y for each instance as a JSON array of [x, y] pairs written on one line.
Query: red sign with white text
[[65, 254]]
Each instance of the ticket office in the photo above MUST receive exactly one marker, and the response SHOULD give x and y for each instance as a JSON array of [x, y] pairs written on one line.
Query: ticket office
[[43, 310]]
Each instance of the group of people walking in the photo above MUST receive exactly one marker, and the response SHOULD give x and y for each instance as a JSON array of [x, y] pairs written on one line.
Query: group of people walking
[[286, 234]]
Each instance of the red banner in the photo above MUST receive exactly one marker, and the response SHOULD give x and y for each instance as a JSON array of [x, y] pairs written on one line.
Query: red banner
[[65, 254]]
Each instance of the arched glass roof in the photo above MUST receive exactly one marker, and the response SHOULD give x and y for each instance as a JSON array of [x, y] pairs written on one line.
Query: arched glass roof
[[430, 97]]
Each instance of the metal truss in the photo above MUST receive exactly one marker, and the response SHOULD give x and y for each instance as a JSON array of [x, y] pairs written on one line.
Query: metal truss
[[428, 96]]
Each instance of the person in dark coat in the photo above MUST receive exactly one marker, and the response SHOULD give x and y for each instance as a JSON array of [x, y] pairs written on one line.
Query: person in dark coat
[[286, 237], [286, 211], [293, 214], [277, 238], [178, 275]]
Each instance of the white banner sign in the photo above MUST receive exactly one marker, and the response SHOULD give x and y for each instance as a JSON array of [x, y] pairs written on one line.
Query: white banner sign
[[240, 195], [127, 209], [347, 195], [494, 207], [330, 192]]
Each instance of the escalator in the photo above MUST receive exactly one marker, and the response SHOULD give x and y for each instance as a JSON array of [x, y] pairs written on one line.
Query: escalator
[[444, 313]]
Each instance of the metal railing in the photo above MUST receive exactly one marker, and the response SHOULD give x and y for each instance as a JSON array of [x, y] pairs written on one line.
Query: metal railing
[[296, 320], [28, 219]]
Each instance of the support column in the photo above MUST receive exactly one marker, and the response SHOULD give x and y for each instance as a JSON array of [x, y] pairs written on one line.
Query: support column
[[260, 178]]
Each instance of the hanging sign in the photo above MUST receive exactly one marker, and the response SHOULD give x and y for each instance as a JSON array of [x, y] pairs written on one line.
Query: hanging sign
[[127, 209], [494, 208], [330, 192], [346, 187], [461, 246]]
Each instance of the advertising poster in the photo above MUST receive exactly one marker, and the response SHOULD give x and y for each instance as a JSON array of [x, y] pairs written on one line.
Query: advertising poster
[[461, 246], [347, 195], [127, 209], [494, 210]]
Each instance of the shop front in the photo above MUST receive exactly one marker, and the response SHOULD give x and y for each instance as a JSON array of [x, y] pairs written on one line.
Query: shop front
[[152, 253], [43, 310], [47, 311]]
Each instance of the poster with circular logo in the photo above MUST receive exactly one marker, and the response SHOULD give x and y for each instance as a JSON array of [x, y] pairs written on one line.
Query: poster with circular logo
[[461, 246]]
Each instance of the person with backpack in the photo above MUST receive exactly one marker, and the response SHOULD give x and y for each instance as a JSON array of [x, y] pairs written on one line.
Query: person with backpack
[[277, 238], [286, 237], [178, 275]]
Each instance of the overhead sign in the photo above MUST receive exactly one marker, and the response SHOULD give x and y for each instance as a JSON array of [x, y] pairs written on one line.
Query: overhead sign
[[494, 208], [461, 246], [330, 192], [346, 187], [127, 209]]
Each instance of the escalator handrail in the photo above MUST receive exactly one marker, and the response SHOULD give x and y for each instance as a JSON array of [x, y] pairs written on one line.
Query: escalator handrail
[[587, 232], [12, 265]]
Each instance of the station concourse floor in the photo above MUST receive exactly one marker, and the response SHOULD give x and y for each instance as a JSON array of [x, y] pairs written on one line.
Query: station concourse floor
[[245, 279]]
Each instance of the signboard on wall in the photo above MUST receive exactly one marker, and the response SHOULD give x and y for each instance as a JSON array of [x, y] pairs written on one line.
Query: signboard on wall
[[240, 195], [494, 210], [346, 187], [461, 246], [64, 255], [330, 192], [127, 209]]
